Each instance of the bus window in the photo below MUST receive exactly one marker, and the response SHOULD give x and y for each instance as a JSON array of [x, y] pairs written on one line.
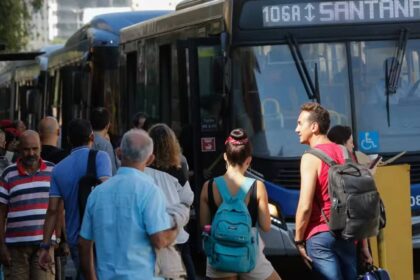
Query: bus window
[[211, 91], [369, 60], [268, 93]]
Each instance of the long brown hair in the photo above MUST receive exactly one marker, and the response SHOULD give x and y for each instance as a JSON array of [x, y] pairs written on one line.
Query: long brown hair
[[166, 147]]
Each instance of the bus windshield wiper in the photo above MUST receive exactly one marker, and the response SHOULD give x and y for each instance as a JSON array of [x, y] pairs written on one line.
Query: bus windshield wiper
[[393, 72], [311, 88]]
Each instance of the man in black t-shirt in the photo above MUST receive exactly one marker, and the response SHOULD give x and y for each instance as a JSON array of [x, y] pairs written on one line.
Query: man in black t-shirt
[[49, 131]]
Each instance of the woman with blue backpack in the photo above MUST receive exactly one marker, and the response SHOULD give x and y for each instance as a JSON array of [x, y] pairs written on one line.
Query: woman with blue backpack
[[232, 208]]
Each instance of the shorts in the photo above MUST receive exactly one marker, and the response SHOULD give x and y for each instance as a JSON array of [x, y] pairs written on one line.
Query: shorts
[[263, 268]]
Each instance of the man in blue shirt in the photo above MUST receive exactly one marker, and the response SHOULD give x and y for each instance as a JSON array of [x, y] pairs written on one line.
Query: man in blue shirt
[[126, 218], [101, 122], [65, 186]]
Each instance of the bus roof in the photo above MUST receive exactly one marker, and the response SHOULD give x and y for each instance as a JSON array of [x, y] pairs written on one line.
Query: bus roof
[[105, 29], [25, 70], [190, 16], [101, 31]]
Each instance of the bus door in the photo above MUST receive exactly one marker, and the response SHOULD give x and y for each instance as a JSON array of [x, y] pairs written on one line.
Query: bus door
[[204, 128]]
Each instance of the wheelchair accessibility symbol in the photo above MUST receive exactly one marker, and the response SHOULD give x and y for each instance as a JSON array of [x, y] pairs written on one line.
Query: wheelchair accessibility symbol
[[369, 141]]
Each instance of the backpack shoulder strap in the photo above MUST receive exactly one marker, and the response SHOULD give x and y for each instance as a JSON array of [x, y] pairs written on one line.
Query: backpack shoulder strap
[[253, 204], [223, 189], [210, 197], [91, 165], [245, 187], [322, 156], [346, 154]]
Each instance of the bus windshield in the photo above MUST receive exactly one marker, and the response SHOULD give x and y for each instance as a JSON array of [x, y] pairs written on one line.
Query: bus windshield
[[268, 93], [375, 134]]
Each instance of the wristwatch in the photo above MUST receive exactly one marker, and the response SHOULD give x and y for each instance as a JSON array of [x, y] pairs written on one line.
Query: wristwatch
[[45, 246], [300, 242]]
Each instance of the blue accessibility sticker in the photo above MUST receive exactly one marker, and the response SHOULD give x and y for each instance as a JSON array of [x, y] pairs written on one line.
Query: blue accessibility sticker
[[368, 141]]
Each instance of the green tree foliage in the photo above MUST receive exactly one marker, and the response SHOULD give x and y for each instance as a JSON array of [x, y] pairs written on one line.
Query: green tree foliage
[[15, 20]]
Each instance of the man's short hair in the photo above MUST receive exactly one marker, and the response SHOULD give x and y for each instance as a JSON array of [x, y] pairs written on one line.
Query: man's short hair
[[318, 114], [79, 132], [99, 118], [136, 146]]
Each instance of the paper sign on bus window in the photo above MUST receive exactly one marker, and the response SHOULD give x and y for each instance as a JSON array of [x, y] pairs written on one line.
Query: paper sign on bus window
[[368, 141], [208, 144]]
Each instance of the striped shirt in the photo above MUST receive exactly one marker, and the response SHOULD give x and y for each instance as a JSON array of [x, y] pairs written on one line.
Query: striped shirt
[[26, 196]]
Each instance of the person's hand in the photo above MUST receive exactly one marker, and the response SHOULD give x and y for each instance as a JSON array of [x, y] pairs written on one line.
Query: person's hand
[[62, 250], [44, 259], [302, 252], [5, 255], [365, 256], [65, 249]]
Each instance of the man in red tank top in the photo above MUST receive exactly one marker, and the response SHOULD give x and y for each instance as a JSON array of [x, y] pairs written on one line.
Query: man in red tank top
[[330, 257]]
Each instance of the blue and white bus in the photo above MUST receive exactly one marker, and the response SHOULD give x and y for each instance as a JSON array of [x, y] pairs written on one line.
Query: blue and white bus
[[216, 65]]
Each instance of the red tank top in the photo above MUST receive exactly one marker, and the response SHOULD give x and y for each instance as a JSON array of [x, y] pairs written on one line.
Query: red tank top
[[321, 198]]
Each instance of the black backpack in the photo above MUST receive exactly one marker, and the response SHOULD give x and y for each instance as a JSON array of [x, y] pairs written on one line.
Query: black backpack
[[87, 183], [355, 201]]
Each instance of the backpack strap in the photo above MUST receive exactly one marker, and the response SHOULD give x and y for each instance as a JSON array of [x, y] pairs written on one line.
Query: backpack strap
[[322, 156], [346, 153], [253, 204], [242, 192], [91, 164], [210, 197]]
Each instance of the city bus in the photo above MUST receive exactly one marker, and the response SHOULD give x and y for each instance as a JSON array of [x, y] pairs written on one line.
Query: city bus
[[84, 73], [215, 65], [22, 87]]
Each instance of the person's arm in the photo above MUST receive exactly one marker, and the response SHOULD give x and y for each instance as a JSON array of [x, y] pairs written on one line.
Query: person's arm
[[163, 239], [4, 201], [205, 217], [156, 220], [264, 221], [86, 258], [86, 241], [4, 252], [59, 223], [49, 225], [103, 166], [308, 173], [365, 252]]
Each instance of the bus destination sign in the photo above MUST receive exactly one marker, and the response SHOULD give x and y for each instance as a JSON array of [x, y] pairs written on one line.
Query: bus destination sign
[[340, 12]]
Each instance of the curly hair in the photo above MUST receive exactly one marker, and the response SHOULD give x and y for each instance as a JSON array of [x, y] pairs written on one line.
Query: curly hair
[[318, 114], [166, 147]]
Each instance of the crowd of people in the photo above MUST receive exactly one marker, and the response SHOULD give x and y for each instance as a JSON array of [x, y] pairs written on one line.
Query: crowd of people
[[133, 225]]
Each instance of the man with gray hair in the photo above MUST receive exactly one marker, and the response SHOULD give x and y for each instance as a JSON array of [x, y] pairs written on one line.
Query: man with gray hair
[[126, 217]]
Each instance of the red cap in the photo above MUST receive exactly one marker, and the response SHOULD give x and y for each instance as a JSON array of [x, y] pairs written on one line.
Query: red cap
[[6, 123], [13, 131]]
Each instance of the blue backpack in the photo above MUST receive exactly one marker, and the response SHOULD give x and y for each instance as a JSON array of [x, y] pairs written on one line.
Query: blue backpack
[[232, 244]]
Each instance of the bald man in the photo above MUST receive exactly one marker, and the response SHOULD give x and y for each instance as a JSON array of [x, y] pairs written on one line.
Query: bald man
[[24, 193], [49, 132]]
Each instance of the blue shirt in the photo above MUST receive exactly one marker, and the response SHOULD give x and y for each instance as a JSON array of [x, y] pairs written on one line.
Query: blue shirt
[[120, 216], [65, 184], [101, 144]]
